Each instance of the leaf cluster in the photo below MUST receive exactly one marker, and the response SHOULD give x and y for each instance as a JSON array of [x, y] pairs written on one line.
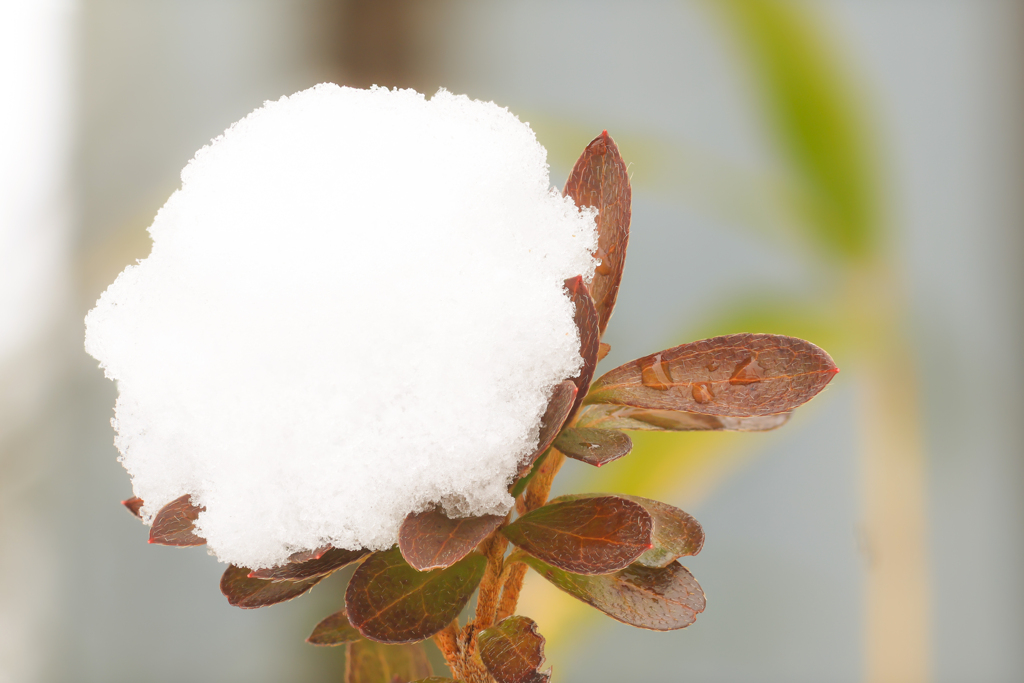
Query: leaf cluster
[[617, 553]]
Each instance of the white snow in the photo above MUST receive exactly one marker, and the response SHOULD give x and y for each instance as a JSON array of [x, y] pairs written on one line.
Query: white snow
[[354, 308]]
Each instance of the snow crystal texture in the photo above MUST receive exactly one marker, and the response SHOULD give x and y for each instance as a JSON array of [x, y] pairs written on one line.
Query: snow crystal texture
[[353, 309]]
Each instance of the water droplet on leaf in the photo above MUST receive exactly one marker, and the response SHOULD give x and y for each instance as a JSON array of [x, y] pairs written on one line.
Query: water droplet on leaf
[[702, 392], [747, 372], [654, 373]]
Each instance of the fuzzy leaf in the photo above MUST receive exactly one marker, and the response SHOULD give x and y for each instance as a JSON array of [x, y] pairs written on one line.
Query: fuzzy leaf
[[593, 446], [389, 601], [334, 630], [739, 375], [590, 336], [562, 400], [175, 524], [430, 540], [595, 535], [133, 505], [610, 416], [513, 651], [602, 351], [676, 533], [370, 662], [318, 564], [247, 593], [662, 599], [600, 179]]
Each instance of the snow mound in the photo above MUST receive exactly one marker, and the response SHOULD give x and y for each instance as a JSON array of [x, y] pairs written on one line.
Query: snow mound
[[353, 308]]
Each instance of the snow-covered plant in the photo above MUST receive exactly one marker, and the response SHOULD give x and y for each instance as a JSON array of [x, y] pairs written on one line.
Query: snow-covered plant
[[367, 333]]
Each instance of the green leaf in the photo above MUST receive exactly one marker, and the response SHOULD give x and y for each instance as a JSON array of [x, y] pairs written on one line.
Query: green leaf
[[563, 398], [593, 446], [438, 679], [815, 114], [676, 533], [738, 375], [248, 593], [430, 540], [513, 651], [370, 662], [600, 179], [133, 505], [590, 337], [322, 564], [175, 524], [334, 630], [610, 416], [590, 536], [389, 601], [662, 599]]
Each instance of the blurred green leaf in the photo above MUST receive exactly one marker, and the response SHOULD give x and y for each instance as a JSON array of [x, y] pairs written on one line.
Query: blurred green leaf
[[334, 630], [370, 662]]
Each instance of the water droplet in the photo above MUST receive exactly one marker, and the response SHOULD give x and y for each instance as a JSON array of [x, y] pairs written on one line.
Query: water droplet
[[747, 372], [605, 267], [591, 445], [712, 366], [702, 392], [654, 373]]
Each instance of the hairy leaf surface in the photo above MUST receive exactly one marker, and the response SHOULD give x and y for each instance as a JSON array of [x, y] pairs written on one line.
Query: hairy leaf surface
[[600, 179], [248, 593], [430, 540], [389, 601], [334, 630], [659, 599], [593, 446], [370, 662], [594, 535], [590, 337], [610, 416], [739, 375], [513, 651], [175, 524]]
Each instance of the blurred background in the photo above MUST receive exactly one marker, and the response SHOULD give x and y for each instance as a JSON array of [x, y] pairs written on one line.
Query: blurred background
[[847, 171]]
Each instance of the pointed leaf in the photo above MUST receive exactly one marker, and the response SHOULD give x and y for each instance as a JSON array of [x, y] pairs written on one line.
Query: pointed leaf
[[739, 375], [676, 533], [590, 336], [563, 397], [593, 446], [602, 351], [513, 651], [600, 179], [334, 630], [329, 561], [242, 591], [389, 601], [370, 662], [610, 416], [429, 539], [661, 599], [589, 536], [175, 524], [134, 505]]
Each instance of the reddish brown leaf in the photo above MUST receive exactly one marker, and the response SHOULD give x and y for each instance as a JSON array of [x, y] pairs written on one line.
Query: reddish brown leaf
[[588, 536], [389, 601], [600, 179], [430, 540], [370, 662], [513, 651], [593, 446], [610, 416], [334, 630], [438, 679], [242, 591], [662, 599], [602, 351], [739, 375], [329, 561], [590, 337], [133, 505], [676, 533], [175, 524], [563, 397]]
